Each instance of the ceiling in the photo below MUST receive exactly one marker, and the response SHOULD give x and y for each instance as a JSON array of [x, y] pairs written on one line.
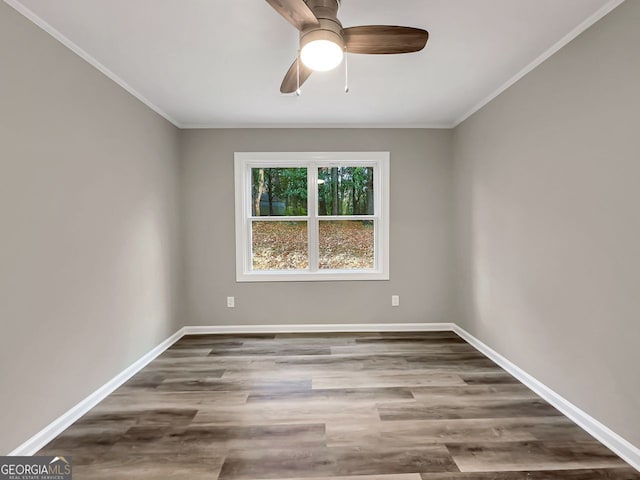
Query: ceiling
[[219, 63]]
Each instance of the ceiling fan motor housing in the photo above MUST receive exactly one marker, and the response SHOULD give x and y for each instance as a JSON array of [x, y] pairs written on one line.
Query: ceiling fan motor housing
[[330, 28]]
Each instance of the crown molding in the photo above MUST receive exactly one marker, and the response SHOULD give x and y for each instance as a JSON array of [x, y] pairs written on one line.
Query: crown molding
[[592, 19], [30, 15], [416, 126]]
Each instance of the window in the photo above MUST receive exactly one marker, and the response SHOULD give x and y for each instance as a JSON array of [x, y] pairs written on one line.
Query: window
[[312, 216]]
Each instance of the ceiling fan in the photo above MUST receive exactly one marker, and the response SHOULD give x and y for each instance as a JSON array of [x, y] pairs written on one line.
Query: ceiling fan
[[323, 40]]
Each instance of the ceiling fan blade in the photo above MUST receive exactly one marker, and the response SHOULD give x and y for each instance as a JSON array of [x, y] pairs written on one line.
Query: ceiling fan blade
[[290, 82], [384, 39], [296, 12]]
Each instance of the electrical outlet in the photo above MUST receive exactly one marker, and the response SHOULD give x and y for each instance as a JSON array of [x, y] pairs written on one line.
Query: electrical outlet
[[231, 302], [395, 300]]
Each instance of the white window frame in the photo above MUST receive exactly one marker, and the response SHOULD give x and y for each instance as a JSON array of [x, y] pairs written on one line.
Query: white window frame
[[245, 161]]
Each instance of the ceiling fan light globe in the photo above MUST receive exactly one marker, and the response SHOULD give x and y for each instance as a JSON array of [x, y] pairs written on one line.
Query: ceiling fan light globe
[[321, 55]]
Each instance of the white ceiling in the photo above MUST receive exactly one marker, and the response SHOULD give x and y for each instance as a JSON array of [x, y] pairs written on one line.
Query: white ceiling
[[219, 63]]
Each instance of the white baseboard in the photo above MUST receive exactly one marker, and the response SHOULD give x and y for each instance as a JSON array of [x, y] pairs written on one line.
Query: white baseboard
[[320, 328], [63, 422], [621, 447]]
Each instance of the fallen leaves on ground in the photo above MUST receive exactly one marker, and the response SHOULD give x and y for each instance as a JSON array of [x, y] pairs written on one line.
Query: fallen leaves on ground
[[344, 245], [280, 246]]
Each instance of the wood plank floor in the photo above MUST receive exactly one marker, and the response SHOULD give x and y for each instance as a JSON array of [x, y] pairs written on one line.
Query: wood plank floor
[[370, 406]]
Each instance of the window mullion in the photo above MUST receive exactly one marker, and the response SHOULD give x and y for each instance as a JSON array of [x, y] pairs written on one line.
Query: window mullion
[[248, 224], [346, 217], [279, 218], [376, 243], [312, 210]]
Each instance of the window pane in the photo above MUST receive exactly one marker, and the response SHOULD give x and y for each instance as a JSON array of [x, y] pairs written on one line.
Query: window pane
[[279, 245], [346, 244], [278, 191], [345, 191]]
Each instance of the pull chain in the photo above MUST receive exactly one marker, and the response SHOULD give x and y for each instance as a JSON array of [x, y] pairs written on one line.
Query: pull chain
[[346, 70], [298, 74]]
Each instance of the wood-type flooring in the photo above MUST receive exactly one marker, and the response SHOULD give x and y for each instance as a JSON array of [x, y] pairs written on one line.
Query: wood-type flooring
[[351, 406]]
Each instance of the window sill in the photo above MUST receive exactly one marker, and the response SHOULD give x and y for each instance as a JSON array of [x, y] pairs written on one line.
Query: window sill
[[325, 276]]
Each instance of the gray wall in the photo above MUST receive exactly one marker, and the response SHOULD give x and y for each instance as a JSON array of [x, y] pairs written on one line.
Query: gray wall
[[88, 209], [420, 232], [547, 182], [547, 224]]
